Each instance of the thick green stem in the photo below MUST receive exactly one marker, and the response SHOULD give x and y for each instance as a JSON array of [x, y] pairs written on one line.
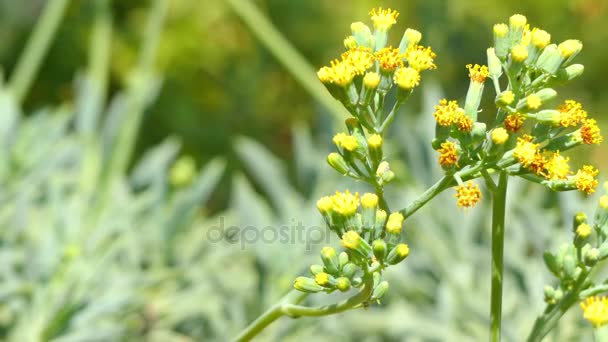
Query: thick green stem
[[548, 320], [36, 48], [498, 239]]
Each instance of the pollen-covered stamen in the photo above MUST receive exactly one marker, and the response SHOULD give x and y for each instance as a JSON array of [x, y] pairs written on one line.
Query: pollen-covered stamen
[[478, 73]]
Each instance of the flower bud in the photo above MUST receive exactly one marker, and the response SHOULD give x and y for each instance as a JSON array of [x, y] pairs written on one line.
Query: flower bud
[[410, 38], [569, 48], [505, 98], [380, 221], [306, 284], [380, 249], [380, 290], [578, 219], [494, 65], [363, 34], [501, 42], [394, 223], [343, 284], [552, 263], [353, 241], [478, 133], [371, 81], [330, 259], [343, 257], [398, 254], [591, 257], [569, 73], [374, 144], [499, 136], [349, 270], [183, 171], [549, 60], [336, 161], [323, 279], [519, 53], [569, 267], [384, 173], [369, 202], [517, 24], [549, 295]]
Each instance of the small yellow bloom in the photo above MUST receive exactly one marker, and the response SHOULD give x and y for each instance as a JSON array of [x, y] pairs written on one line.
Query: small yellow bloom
[[499, 136], [585, 179], [478, 73], [501, 30], [583, 230], [351, 240], [369, 200], [412, 36], [569, 47], [506, 97], [359, 58], [604, 202], [533, 101], [374, 141], [420, 58], [325, 204], [557, 167], [590, 132], [518, 21], [540, 38], [322, 278], [371, 80], [525, 151], [340, 73], [519, 53], [347, 142], [394, 223], [383, 18], [345, 203], [514, 122], [595, 310], [446, 113], [402, 250], [350, 42], [389, 59], [406, 78], [448, 154], [465, 124], [571, 113], [468, 195]]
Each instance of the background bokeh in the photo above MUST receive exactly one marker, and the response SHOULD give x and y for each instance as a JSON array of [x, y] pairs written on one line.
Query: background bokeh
[[228, 93]]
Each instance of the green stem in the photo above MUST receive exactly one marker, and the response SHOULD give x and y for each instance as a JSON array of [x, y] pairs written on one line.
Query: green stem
[[288, 307], [498, 239], [36, 48], [548, 320]]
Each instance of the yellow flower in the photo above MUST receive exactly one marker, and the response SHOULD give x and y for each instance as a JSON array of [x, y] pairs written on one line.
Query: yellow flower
[[590, 132], [465, 124], [571, 113], [402, 250], [340, 73], [446, 113], [322, 278], [519, 53], [569, 47], [369, 200], [557, 167], [525, 151], [595, 310], [533, 101], [448, 154], [347, 142], [518, 21], [412, 36], [513, 122], [468, 195], [499, 136], [389, 59], [585, 179], [351, 240], [501, 30], [506, 97], [374, 141], [359, 58], [345, 203], [406, 78], [539, 165], [478, 73], [371, 80], [583, 230], [394, 223], [325, 204], [540, 38], [383, 18], [420, 58]]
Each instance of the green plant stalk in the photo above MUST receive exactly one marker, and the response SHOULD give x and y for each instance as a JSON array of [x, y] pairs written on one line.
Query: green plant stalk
[[548, 320], [36, 48], [287, 55], [287, 306], [498, 241]]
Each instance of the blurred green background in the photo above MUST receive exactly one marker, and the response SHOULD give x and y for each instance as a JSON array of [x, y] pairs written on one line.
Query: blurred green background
[[226, 94], [220, 82]]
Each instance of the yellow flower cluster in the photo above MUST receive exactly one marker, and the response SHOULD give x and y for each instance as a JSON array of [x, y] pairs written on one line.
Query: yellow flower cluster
[[394, 223], [420, 58], [595, 310], [346, 142], [383, 19], [585, 179], [448, 154], [557, 167], [590, 132], [407, 78], [478, 73], [342, 203], [571, 113], [514, 122], [525, 151], [389, 58], [468, 195], [447, 112]]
